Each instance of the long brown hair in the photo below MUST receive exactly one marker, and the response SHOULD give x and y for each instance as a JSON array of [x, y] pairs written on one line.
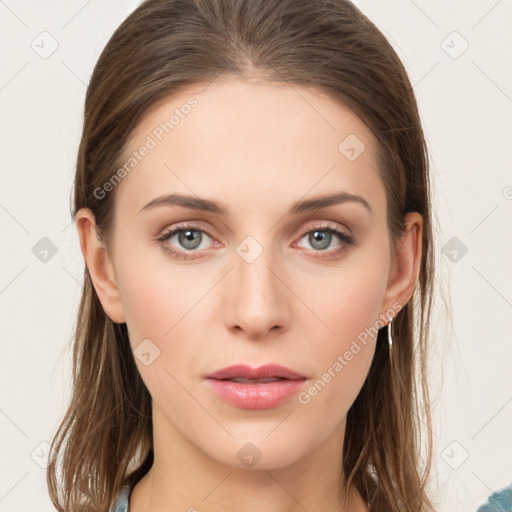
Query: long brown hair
[[105, 439]]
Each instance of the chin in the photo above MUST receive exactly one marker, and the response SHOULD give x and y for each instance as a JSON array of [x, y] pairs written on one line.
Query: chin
[[258, 453]]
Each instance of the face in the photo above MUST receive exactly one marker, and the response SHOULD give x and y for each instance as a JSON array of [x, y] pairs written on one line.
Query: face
[[268, 275]]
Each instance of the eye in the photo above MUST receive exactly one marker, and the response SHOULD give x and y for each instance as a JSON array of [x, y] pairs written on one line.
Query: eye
[[188, 237], [321, 237]]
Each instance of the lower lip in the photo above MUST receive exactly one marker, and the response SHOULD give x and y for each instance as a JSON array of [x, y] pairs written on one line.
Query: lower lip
[[265, 395]]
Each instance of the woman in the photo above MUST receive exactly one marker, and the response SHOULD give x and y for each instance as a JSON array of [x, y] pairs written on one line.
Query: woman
[[253, 206]]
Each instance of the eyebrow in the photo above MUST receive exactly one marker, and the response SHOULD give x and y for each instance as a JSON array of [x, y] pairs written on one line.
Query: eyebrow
[[207, 205]]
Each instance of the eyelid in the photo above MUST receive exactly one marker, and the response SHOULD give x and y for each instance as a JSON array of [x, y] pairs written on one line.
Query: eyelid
[[322, 225], [183, 226]]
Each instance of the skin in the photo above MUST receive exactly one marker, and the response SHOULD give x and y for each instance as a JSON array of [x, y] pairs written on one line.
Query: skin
[[256, 147]]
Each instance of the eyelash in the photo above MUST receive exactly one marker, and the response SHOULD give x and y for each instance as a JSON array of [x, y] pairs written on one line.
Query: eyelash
[[346, 240]]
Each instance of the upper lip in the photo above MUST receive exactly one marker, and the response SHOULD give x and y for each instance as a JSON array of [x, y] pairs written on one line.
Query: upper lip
[[265, 371]]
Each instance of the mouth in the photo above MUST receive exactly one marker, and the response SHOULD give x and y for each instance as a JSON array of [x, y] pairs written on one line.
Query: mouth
[[255, 381], [262, 388], [265, 373]]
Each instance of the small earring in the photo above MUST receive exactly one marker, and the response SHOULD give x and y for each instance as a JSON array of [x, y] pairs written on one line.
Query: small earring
[[390, 338]]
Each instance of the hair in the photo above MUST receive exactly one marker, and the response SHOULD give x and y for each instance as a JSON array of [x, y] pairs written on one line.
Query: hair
[[105, 439]]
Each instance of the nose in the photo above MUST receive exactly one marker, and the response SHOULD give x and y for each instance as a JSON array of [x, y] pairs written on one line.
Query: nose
[[257, 295]]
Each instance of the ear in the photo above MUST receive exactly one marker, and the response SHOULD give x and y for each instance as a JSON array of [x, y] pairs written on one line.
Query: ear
[[99, 265], [405, 269]]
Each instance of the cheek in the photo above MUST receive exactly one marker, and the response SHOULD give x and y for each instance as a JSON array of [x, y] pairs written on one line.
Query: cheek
[[167, 304], [161, 318], [346, 301], [358, 305], [348, 304], [155, 293]]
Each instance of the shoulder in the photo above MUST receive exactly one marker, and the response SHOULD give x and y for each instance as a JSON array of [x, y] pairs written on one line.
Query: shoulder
[[500, 501], [122, 500]]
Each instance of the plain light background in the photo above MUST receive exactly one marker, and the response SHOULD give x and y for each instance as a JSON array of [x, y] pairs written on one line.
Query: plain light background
[[458, 58]]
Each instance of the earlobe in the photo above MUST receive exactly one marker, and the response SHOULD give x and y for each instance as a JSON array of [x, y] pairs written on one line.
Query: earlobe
[[405, 269], [99, 265]]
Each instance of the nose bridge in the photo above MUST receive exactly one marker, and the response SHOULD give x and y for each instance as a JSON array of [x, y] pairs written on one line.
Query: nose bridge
[[258, 298]]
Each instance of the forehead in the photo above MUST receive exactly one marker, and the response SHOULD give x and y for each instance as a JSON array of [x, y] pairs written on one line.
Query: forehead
[[249, 143]]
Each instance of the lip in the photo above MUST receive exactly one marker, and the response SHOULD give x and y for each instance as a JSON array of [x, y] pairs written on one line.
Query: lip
[[254, 396], [265, 371]]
